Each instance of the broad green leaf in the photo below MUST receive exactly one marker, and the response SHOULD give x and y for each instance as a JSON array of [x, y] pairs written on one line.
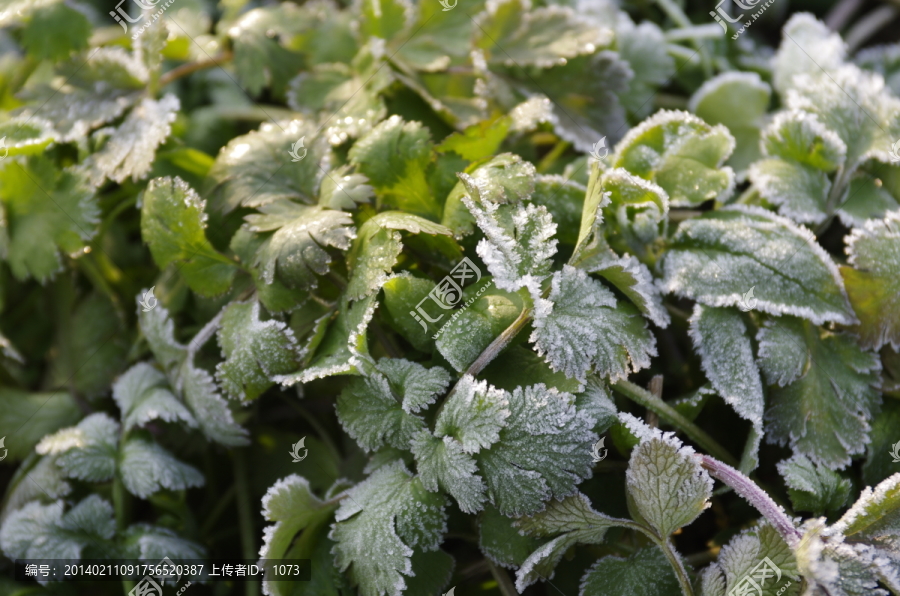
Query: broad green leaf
[[87, 451], [519, 365], [643, 47], [500, 540], [342, 189], [714, 102], [416, 386], [645, 573], [800, 137], [633, 278], [44, 532], [812, 487], [563, 199], [37, 478], [173, 223], [393, 510], [518, 242], [582, 329], [48, 211], [825, 394], [146, 468], [98, 89], [473, 414], [153, 543], [254, 351], [543, 451], [258, 168], [875, 515], [296, 247], [800, 191], [439, 37], [513, 33], [131, 148], [403, 293], [373, 415], [682, 154], [30, 416], [260, 60], [385, 18], [726, 356], [637, 208], [667, 484], [759, 554], [442, 464], [873, 281], [478, 141], [433, 571], [569, 521], [808, 46], [866, 199], [143, 394], [718, 257], [394, 157], [343, 348], [26, 136]]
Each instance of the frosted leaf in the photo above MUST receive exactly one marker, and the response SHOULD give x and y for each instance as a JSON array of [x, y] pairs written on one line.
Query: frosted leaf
[[808, 46], [682, 154], [377, 246], [667, 484], [800, 191], [443, 464], [633, 278], [726, 356], [595, 404], [543, 451], [530, 113], [473, 415], [572, 521], [873, 283], [883, 59], [159, 330], [393, 510], [512, 33], [875, 515], [416, 385], [800, 137], [866, 199], [518, 243], [637, 208], [147, 468], [585, 330], [87, 451], [500, 541], [825, 408], [814, 488], [257, 168], [131, 149], [750, 549], [343, 190], [647, 572], [642, 47], [371, 414], [254, 351], [296, 249], [39, 479], [153, 543], [39, 531], [26, 136], [173, 223], [718, 257], [344, 347], [143, 394]]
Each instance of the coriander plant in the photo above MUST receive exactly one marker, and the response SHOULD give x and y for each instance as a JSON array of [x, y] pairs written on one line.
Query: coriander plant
[[571, 297]]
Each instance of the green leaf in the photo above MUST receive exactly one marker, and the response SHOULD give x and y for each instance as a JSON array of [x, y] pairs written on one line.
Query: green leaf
[[631, 277], [473, 414], [31, 416], [394, 157], [385, 18], [391, 509], [800, 191], [417, 386], [808, 47], [153, 543], [682, 154], [563, 199], [44, 532], [373, 415], [800, 137], [87, 451], [759, 554], [636, 208], [296, 248], [645, 573], [131, 148], [26, 136], [867, 198], [173, 223], [512, 33], [570, 521], [714, 103], [260, 60], [143, 394], [257, 168], [478, 141], [812, 487], [47, 212], [146, 468], [254, 351], [643, 48], [825, 394], [543, 451], [666, 482], [342, 189], [443, 464], [402, 294], [872, 283], [718, 257], [581, 329], [501, 541]]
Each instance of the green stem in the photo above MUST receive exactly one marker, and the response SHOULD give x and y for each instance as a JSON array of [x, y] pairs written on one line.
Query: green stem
[[643, 397], [245, 516], [674, 12], [192, 67], [221, 505], [503, 582], [552, 156], [500, 342], [677, 566], [120, 506]]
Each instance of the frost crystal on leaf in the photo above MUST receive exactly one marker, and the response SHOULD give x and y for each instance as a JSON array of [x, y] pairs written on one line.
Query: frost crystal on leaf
[[143, 394], [146, 468]]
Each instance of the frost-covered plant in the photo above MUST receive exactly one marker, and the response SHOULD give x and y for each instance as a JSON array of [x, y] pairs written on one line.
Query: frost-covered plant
[[413, 264]]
